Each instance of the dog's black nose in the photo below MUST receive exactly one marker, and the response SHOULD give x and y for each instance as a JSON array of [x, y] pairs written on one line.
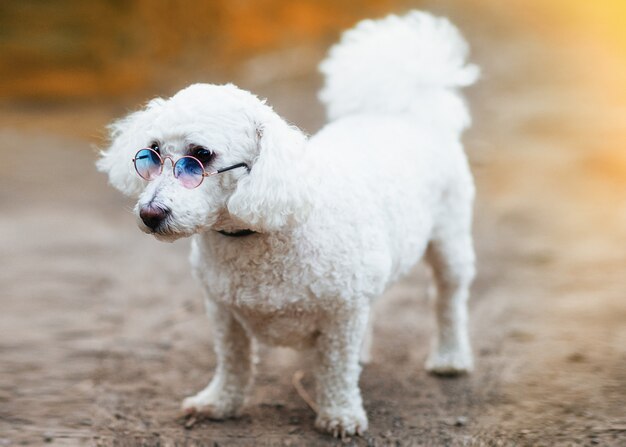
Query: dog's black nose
[[153, 215]]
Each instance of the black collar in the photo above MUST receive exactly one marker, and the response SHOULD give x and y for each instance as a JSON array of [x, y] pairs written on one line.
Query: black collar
[[237, 233]]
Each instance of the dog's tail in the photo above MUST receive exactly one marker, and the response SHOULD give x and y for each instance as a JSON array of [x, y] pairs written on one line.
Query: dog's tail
[[414, 63]]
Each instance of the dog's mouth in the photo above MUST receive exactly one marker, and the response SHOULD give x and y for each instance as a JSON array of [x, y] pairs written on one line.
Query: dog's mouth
[[168, 237], [164, 232]]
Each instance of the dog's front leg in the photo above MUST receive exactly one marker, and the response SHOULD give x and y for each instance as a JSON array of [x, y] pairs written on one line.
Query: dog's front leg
[[232, 380], [340, 407]]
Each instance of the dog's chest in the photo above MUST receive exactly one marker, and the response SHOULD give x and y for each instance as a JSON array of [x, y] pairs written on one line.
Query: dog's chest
[[252, 276], [270, 293]]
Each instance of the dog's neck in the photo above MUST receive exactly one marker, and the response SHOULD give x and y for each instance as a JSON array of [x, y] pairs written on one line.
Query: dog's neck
[[237, 233], [228, 226]]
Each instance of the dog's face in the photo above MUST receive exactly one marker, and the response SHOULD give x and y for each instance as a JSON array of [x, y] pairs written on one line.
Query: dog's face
[[220, 126]]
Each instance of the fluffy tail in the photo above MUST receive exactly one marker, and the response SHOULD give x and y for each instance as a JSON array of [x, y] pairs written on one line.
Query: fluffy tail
[[412, 63]]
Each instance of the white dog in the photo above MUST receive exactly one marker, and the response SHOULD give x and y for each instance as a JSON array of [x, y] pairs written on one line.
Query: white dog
[[299, 236]]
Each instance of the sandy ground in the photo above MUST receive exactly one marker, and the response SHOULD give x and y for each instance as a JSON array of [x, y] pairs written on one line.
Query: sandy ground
[[102, 331]]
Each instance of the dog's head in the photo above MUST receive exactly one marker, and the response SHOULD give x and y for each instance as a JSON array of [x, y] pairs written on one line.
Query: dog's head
[[221, 126]]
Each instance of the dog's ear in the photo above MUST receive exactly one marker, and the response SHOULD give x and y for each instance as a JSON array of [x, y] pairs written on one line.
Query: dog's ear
[[126, 137], [276, 191]]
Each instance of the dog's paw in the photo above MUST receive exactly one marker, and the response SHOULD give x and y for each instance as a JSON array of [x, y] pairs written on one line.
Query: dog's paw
[[210, 405], [342, 423], [450, 363]]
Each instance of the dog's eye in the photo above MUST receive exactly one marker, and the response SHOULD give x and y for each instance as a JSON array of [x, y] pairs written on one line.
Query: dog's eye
[[202, 154], [155, 147]]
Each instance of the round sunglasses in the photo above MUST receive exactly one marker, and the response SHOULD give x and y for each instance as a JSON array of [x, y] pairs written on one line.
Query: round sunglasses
[[188, 170]]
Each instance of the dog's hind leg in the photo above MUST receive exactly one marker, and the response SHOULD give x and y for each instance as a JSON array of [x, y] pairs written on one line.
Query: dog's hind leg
[[365, 356], [232, 380], [451, 256]]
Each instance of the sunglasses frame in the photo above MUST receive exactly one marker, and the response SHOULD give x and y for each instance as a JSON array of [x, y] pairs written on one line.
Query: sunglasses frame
[[204, 171]]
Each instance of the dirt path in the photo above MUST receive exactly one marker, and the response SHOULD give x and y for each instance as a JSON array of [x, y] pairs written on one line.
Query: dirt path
[[102, 330]]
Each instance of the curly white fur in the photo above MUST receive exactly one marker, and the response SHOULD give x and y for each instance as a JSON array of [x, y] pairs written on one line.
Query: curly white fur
[[338, 217]]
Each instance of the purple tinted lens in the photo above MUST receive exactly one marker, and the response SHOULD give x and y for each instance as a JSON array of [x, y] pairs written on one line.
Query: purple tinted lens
[[189, 172], [148, 164]]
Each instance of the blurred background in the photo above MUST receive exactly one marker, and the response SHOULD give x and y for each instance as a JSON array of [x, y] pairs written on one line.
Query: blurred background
[[101, 328]]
